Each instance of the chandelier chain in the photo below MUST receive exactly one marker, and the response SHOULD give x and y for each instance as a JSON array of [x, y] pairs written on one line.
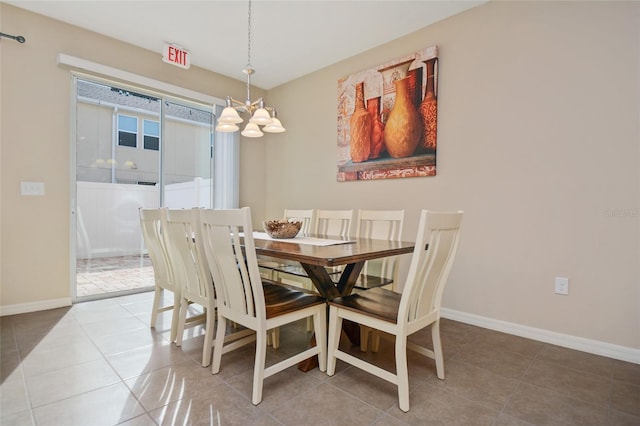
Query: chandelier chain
[[249, 37], [262, 115]]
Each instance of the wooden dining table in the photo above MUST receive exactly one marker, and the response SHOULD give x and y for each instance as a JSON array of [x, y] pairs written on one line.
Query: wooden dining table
[[352, 253]]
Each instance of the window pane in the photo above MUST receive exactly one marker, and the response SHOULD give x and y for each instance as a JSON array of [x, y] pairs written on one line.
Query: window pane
[[151, 128], [187, 163], [127, 139], [127, 123], [151, 142]]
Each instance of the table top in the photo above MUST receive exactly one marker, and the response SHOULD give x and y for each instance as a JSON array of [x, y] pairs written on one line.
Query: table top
[[356, 250]]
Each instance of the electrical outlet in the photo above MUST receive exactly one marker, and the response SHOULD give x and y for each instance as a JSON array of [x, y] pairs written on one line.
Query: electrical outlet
[[562, 285]]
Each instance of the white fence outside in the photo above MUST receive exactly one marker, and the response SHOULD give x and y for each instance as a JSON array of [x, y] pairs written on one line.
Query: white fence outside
[[108, 223]]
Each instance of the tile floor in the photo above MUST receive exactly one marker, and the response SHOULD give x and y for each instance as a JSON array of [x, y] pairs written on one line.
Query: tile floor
[[99, 363]]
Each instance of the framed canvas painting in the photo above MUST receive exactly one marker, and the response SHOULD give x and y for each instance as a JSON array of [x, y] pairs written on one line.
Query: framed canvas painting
[[387, 119]]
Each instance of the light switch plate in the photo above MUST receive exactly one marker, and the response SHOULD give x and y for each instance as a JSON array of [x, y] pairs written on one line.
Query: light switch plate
[[32, 188]]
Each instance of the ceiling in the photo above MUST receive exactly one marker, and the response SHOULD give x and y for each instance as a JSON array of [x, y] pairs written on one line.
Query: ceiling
[[289, 39]]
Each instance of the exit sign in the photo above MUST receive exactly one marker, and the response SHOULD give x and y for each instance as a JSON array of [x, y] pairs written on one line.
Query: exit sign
[[176, 55]]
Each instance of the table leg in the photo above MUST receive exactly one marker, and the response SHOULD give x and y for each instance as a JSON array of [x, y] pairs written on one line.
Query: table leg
[[330, 290]]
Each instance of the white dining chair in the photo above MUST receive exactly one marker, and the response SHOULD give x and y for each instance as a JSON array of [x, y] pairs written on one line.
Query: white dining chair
[[276, 268], [334, 223], [192, 274], [269, 267], [380, 225], [244, 299], [307, 217], [401, 315], [328, 223], [153, 225]]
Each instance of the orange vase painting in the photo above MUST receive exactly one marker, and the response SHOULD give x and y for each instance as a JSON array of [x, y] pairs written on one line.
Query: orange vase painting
[[399, 129]]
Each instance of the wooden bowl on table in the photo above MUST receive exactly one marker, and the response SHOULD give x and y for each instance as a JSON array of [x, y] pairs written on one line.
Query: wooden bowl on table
[[282, 229]]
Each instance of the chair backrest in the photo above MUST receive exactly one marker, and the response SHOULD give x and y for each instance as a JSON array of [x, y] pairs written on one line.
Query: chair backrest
[[235, 270], [334, 222], [435, 250], [186, 256], [153, 225], [381, 225], [308, 218]]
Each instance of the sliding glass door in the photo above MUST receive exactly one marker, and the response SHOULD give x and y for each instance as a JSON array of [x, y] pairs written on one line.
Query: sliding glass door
[[133, 149]]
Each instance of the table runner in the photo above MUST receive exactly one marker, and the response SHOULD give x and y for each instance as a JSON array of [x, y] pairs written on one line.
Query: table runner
[[301, 239]]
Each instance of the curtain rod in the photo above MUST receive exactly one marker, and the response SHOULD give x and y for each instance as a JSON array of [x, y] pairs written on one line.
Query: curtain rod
[[19, 39]]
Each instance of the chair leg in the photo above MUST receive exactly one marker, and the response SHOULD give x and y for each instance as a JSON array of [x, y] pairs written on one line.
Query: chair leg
[[335, 326], [321, 337], [258, 367], [437, 349], [309, 323], [364, 337], [184, 306], [175, 316], [157, 296], [218, 344], [402, 373], [273, 336], [209, 331]]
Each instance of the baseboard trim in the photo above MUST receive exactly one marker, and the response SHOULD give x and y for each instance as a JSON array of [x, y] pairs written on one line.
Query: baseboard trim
[[41, 305], [596, 347]]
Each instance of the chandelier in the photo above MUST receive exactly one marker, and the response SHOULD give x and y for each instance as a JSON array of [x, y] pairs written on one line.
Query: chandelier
[[261, 115]]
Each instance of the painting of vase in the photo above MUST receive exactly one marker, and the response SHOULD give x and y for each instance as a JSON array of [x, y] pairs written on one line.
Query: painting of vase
[[389, 75], [387, 119]]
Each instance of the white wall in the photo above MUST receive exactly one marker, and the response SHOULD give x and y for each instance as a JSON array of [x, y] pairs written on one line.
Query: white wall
[[538, 142]]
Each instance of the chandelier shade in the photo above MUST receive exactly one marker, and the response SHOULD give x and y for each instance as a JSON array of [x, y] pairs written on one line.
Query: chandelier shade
[[274, 126], [252, 131], [230, 116], [261, 115], [227, 127]]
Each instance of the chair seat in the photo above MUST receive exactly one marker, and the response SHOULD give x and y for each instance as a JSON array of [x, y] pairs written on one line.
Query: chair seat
[[372, 281], [281, 299], [378, 302]]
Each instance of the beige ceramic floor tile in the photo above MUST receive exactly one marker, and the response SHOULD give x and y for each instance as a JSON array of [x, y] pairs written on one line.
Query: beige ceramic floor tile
[[487, 356], [55, 353], [74, 380], [143, 420], [277, 389], [577, 360], [547, 407], [22, 418], [43, 361], [443, 408], [13, 397], [626, 398], [618, 418], [626, 372], [144, 359], [476, 384], [126, 341], [170, 384], [326, 405], [110, 326], [105, 406], [222, 406], [593, 389], [369, 388]]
